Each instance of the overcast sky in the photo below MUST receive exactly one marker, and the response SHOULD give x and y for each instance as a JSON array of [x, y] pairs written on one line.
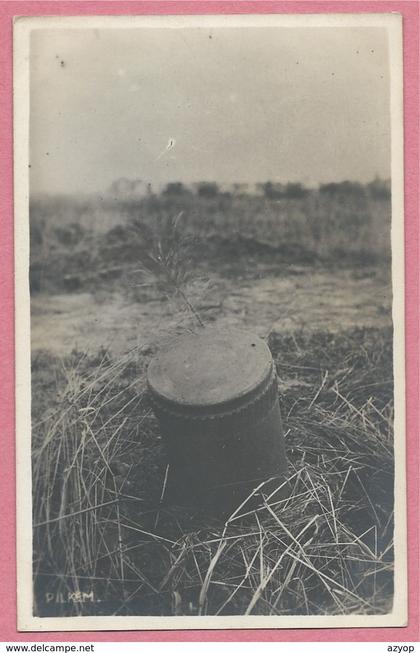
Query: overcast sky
[[223, 104]]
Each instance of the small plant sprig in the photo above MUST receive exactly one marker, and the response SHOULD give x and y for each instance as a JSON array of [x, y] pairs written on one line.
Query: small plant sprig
[[168, 265]]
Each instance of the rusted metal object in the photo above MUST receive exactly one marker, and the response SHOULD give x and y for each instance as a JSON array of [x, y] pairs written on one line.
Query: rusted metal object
[[214, 393]]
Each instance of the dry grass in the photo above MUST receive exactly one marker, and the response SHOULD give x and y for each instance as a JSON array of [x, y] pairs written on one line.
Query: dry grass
[[107, 540], [79, 245]]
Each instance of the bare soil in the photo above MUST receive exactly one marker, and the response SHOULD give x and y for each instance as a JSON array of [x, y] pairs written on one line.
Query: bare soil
[[298, 299]]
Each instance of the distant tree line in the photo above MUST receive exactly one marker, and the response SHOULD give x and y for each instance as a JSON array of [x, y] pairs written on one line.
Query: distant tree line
[[377, 189], [291, 191]]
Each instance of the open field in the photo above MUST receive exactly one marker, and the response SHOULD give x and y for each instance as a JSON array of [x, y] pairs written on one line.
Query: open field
[[97, 243], [312, 276], [302, 300]]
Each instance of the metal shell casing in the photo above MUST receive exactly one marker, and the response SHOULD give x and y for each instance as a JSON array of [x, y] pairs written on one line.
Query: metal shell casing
[[214, 393]]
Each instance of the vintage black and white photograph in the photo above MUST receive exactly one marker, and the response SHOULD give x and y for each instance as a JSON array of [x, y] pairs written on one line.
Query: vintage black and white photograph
[[209, 279]]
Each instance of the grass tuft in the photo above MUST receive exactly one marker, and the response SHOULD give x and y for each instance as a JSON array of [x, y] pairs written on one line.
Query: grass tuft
[[105, 543]]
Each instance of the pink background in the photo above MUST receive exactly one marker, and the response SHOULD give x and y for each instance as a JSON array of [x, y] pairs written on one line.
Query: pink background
[[410, 11]]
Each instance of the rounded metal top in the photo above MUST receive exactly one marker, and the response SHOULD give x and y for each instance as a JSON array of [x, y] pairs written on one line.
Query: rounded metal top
[[210, 367]]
